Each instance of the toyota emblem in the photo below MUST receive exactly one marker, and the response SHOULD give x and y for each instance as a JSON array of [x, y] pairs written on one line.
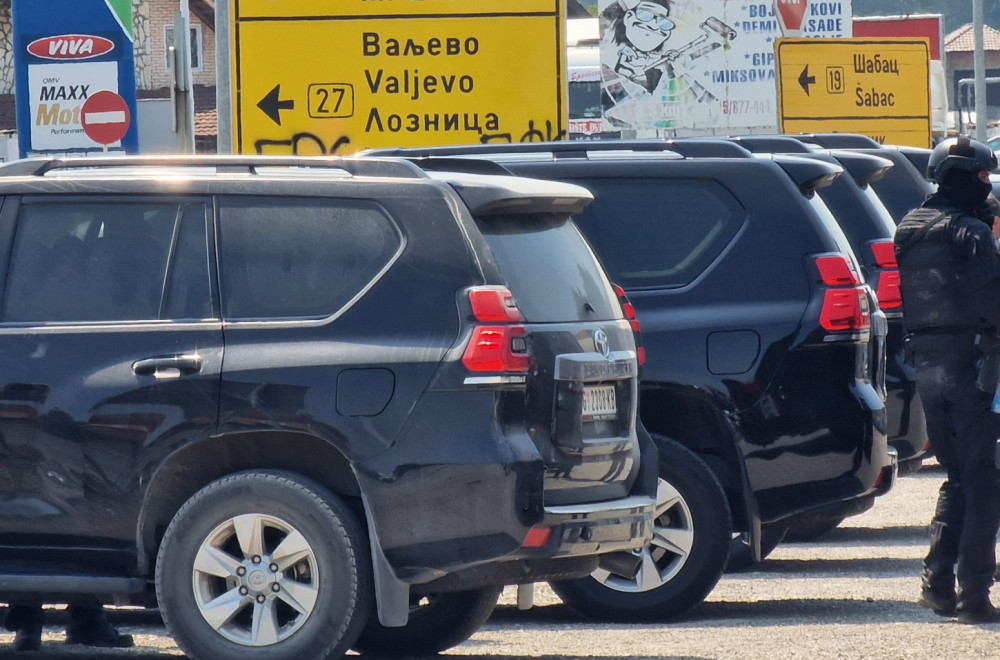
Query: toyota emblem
[[601, 342]]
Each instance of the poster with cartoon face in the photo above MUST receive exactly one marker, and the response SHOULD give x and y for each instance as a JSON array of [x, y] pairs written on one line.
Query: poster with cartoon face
[[704, 65]]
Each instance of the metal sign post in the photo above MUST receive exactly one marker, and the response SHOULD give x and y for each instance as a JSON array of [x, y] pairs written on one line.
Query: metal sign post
[[182, 92]]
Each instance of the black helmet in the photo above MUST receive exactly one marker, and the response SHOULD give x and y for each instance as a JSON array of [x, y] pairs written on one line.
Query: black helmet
[[959, 153]]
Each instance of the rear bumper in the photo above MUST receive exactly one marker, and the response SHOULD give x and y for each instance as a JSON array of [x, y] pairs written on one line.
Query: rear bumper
[[590, 529], [466, 495], [579, 536], [831, 449]]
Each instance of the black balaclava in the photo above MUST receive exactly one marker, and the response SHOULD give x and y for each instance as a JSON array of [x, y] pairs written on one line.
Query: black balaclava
[[962, 188], [989, 212]]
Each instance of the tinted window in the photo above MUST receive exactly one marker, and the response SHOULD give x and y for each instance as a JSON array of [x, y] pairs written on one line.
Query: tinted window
[[549, 268], [656, 232], [188, 294], [98, 261], [855, 215], [292, 257], [836, 233], [885, 218]]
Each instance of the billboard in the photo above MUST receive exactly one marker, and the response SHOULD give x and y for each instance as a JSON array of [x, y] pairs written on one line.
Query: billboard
[[64, 52], [310, 81], [699, 65]]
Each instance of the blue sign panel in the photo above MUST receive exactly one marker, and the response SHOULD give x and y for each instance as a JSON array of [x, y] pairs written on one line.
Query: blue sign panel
[[64, 52]]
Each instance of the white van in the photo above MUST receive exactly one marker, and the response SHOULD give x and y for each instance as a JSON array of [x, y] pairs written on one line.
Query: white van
[[583, 73]]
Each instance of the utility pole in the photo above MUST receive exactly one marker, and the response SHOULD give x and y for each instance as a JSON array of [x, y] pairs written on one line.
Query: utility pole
[[223, 78], [182, 91], [979, 60]]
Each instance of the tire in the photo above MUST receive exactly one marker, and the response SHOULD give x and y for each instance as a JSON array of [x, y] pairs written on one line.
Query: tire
[[280, 536], [437, 622], [684, 562], [740, 556], [810, 530]]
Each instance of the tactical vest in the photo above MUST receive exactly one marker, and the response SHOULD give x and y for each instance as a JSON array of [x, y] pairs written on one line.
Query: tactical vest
[[933, 281]]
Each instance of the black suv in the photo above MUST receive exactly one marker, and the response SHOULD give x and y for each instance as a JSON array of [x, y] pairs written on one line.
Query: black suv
[[318, 404], [763, 372], [869, 226], [764, 347]]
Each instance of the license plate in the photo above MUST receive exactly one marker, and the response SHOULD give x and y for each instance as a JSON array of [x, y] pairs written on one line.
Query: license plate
[[599, 402]]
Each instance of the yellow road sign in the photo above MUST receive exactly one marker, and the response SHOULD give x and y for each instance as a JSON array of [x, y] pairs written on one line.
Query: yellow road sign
[[878, 87], [394, 73]]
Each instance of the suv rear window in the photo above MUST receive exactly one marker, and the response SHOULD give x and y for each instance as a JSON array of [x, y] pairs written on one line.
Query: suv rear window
[[654, 233], [549, 268], [298, 257]]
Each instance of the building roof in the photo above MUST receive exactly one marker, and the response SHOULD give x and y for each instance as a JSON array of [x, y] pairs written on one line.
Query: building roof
[[961, 40], [206, 118]]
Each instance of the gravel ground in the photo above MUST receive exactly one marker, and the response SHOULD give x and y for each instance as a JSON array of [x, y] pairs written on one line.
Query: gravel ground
[[850, 594]]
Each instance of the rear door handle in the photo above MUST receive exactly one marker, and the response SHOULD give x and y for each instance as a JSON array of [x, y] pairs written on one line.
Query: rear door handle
[[172, 366]]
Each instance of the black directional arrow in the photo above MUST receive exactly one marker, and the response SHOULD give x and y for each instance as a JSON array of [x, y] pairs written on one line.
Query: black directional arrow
[[272, 105], [804, 80]]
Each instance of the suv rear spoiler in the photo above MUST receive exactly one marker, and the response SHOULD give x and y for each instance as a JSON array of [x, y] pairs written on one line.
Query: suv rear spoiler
[[863, 167], [487, 195], [808, 174]]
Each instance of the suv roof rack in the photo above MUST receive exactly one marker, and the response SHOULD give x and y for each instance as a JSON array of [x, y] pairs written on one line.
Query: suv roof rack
[[839, 140], [774, 144], [458, 164], [687, 147], [705, 147], [222, 164]]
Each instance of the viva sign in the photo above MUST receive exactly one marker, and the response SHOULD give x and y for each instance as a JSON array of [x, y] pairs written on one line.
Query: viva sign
[[790, 14]]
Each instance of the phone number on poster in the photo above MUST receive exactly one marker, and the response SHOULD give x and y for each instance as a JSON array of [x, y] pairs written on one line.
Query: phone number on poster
[[745, 107]]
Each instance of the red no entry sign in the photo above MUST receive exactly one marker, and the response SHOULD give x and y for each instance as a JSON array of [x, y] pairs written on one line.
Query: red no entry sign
[[105, 117]]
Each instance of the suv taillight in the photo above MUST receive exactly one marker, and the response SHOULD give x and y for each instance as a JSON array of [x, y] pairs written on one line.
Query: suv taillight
[[629, 311], [887, 292], [498, 342], [845, 303]]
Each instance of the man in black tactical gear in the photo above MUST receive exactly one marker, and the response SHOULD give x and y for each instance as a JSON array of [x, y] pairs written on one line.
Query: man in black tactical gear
[[949, 265]]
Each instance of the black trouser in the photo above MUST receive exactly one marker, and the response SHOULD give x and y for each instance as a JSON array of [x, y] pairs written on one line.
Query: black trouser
[[84, 614], [963, 433]]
